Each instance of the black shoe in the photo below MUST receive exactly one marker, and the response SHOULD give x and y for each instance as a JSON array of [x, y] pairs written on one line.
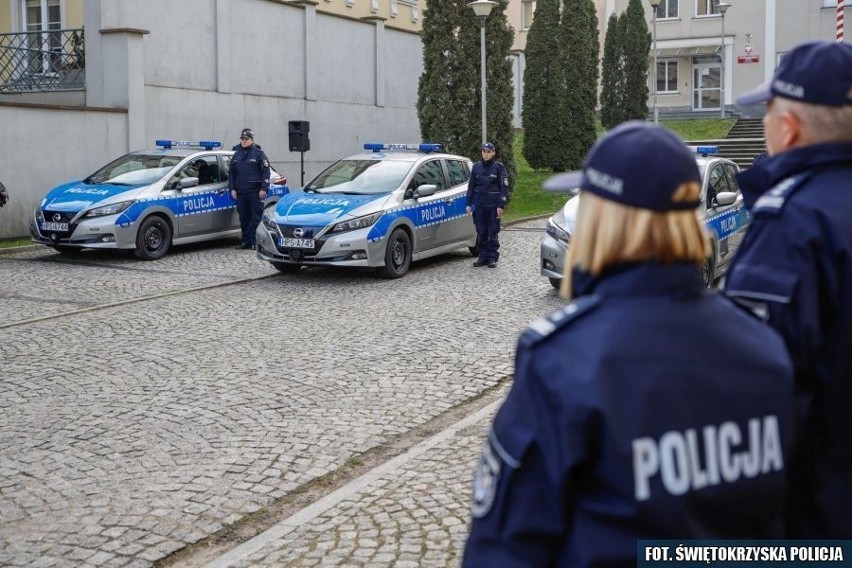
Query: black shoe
[[492, 264], [242, 246], [479, 262]]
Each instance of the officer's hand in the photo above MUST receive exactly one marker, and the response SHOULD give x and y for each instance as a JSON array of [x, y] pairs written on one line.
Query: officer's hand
[[234, 194], [467, 210], [263, 194], [499, 212]]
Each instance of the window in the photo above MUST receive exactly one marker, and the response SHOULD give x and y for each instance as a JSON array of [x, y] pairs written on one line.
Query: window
[[458, 171], [707, 7], [667, 9], [527, 12], [46, 48], [667, 76], [430, 173]]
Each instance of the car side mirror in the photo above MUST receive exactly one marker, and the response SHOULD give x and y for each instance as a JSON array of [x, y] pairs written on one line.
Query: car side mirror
[[188, 182], [425, 190], [724, 198]]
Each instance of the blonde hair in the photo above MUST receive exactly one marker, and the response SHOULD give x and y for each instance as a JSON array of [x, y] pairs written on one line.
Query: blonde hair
[[608, 233]]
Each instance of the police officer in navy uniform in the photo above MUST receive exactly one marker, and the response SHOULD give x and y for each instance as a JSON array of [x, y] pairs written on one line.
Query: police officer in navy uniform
[[794, 268], [248, 180], [649, 407], [487, 195]]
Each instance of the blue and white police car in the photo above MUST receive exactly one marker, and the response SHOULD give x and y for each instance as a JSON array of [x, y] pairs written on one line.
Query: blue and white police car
[[146, 201], [722, 209], [383, 208]]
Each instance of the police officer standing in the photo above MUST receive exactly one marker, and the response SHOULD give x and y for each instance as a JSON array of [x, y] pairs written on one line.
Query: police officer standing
[[648, 407], [487, 195], [794, 268], [248, 180]]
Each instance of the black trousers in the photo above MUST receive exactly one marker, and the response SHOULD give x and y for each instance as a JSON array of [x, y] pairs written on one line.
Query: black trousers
[[249, 208]]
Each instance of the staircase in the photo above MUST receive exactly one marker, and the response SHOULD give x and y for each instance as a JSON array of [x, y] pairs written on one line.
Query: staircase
[[743, 142]]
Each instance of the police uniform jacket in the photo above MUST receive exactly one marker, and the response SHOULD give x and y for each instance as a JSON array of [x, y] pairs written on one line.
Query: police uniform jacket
[[652, 409], [794, 269], [249, 170], [488, 185]]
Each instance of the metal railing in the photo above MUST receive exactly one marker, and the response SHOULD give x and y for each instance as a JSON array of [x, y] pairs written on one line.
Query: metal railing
[[51, 60]]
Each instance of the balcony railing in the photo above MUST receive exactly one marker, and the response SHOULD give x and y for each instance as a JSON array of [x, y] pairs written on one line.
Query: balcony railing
[[52, 60]]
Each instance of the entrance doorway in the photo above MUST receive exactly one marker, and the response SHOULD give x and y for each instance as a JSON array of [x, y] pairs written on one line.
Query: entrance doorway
[[706, 86]]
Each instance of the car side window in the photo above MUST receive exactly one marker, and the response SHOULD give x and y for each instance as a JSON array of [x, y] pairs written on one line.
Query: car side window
[[430, 173], [226, 165], [732, 177], [716, 183], [458, 171], [205, 168]]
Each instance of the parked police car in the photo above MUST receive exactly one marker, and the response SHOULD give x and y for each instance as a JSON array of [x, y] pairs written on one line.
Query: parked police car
[[384, 208], [146, 201], [721, 207]]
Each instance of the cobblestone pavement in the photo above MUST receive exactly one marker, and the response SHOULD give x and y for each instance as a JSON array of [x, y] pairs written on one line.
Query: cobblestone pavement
[[131, 430]]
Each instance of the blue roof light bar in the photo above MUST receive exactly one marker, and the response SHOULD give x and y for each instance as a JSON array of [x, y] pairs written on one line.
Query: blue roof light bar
[[376, 147], [206, 144]]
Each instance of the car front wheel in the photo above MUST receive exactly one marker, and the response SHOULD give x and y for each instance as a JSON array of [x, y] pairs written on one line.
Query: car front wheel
[[707, 273], [397, 255], [153, 239]]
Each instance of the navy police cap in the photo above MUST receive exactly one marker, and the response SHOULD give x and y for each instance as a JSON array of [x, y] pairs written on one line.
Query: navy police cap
[[816, 72], [635, 164]]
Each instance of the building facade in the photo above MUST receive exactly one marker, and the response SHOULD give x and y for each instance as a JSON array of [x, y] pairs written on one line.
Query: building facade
[[84, 81]]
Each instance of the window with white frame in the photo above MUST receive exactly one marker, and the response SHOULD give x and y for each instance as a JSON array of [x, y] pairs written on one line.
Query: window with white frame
[[667, 75], [667, 9], [527, 13], [43, 16], [707, 7]]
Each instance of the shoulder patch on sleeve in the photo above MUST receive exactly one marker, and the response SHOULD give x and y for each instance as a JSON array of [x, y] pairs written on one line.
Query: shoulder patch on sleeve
[[543, 327], [774, 199]]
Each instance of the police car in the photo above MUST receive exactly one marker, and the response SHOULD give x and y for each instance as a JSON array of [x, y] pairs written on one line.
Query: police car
[[146, 201], [384, 208], [721, 207]]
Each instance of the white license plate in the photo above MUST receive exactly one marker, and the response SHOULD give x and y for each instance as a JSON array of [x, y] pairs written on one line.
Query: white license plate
[[288, 242], [46, 226]]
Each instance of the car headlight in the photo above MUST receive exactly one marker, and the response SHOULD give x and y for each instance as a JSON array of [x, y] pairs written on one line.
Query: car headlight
[[557, 232], [268, 220], [359, 223], [113, 209]]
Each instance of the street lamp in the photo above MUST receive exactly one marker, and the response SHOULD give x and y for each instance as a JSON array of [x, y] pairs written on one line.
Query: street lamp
[[654, 5], [482, 8], [723, 7]]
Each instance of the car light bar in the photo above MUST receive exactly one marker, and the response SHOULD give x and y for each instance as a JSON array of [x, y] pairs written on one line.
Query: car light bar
[[376, 147], [206, 144], [704, 150]]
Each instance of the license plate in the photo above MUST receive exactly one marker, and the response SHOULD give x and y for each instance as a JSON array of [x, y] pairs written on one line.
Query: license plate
[[288, 242], [46, 226]]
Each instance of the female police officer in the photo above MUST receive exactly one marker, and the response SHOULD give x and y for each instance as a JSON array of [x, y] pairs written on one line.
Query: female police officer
[[648, 407]]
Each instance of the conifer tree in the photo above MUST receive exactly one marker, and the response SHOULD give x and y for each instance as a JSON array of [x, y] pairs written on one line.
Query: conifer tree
[[637, 46], [542, 88], [579, 32], [612, 75]]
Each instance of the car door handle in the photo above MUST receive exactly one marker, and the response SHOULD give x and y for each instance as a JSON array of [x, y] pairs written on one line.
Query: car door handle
[[449, 200]]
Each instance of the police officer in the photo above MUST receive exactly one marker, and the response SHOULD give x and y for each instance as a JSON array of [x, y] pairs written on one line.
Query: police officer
[[794, 268], [487, 195], [248, 180], [649, 407]]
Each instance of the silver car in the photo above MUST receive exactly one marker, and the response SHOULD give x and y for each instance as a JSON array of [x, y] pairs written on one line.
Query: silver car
[[383, 208], [721, 208], [146, 201]]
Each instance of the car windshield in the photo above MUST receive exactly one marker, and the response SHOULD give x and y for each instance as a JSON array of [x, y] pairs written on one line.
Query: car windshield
[[361, 177], [134, 169]]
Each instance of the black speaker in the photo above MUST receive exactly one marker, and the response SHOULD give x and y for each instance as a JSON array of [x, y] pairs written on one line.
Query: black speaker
[[299, 140]]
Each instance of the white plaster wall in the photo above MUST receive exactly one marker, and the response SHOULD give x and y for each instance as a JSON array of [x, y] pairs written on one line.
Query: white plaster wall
[[52, 147]]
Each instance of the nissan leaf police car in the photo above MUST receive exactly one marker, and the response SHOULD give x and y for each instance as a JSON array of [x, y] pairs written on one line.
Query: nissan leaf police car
[[384, 208], [722, 209], [146, 201]]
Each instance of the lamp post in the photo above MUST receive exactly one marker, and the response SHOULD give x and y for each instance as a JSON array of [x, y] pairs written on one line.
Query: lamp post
[[482, 8], [723, 7], [654, 5]]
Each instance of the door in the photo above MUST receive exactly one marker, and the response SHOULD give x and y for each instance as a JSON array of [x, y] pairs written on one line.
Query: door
[[459, 227], [44, 49], [706, 86], [202, 208], [233, 215], [430, 210]]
